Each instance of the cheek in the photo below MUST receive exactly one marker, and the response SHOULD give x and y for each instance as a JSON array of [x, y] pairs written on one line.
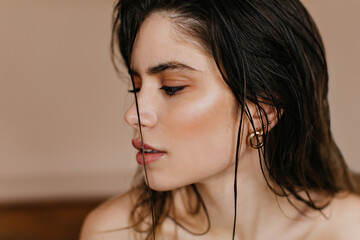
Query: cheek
[[202, 134]]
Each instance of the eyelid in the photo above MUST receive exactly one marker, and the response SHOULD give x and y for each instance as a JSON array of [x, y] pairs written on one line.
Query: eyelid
[[169, 90]]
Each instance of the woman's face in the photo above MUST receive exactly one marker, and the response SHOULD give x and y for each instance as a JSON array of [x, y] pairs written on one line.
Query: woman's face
[[196, 126]]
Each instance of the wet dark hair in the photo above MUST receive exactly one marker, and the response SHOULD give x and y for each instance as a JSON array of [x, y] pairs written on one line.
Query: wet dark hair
[[268, 52]]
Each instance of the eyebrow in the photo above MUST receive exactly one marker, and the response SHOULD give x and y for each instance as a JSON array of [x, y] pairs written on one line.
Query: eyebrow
[[162, 67]]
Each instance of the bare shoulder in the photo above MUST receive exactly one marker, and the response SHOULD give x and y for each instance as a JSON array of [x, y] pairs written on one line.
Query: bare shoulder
[[344, 218], [347, 208], [347, 211], [109, 220]]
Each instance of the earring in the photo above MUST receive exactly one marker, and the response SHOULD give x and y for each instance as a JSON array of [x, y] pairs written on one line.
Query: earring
[[258, 134], [264, 126]]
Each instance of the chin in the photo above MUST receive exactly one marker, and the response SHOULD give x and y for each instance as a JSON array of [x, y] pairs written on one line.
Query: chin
[[162, 187], [165, 184]]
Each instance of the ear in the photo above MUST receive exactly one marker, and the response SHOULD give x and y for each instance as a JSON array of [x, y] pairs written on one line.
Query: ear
[[266, 115]]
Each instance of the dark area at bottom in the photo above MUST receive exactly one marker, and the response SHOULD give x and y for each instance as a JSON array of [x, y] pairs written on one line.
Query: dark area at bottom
[[44, 220]]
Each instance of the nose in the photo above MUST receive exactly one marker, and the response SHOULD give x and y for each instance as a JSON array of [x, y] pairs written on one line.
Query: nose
[[148, 117]]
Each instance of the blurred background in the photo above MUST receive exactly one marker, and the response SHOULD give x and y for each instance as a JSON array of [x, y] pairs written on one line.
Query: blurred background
[[64, 145]]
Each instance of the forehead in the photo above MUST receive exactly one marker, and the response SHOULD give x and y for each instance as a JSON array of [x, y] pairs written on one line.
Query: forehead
[[158, 41]]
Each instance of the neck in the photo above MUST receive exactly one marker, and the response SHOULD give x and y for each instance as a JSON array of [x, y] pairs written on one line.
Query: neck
[[257, 206]]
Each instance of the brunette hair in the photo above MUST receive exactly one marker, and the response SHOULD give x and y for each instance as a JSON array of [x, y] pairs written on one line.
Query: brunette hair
[[268, 51]]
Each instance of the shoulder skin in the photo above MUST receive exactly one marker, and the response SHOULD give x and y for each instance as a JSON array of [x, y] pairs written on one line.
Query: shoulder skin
[[108, 220], [344, 219]]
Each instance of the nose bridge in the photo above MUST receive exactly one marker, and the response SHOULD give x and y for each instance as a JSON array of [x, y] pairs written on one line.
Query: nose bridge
[[148, 116]]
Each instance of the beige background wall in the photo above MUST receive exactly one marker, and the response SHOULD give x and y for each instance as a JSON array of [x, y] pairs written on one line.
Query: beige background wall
[[62, 132]]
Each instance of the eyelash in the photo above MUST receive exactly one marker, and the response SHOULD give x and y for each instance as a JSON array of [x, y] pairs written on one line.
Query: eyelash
[[168, 90]]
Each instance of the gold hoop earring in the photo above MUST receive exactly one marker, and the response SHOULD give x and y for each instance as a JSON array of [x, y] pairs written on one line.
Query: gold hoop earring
[[258, 134]]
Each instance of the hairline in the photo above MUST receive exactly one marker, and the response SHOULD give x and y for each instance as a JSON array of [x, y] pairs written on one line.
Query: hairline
[[182, 35]]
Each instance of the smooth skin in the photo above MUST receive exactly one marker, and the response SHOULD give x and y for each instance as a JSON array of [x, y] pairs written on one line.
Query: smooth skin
[[197, 127]]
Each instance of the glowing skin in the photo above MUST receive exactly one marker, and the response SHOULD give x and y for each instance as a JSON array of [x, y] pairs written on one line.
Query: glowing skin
[[196, 126]]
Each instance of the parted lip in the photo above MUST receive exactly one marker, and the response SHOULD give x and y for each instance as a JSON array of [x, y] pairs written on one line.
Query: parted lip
[[137, 144]]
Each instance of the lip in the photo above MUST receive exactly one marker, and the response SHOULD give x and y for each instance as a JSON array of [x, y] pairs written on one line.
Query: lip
[[137, 145], [148, 157]]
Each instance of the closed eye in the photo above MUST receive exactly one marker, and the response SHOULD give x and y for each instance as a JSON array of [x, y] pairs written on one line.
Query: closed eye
[[168, 90], [172, 90]]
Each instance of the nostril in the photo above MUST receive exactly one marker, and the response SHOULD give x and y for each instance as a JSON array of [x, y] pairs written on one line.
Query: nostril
[[135, 121], [148, 117], [132, 120]]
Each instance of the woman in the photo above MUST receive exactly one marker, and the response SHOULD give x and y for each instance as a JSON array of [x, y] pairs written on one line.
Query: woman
[[232, 124]]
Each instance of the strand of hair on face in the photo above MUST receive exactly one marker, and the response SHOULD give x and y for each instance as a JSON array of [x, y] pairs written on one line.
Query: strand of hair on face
[[144, 165], [235, 178]]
